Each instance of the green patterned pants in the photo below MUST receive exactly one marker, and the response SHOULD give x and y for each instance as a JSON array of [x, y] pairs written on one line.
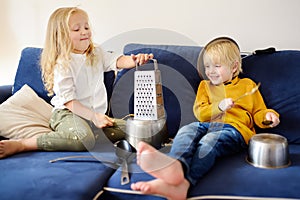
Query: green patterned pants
[[72, 133]]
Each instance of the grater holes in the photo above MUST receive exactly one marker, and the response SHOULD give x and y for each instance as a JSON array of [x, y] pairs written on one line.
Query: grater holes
[[146, 94]]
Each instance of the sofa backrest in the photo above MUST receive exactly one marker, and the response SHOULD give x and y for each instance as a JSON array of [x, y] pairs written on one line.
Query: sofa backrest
[[29, 72], [278, 73]]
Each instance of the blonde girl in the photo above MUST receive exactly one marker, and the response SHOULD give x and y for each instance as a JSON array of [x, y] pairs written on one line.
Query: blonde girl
[[72, 68]]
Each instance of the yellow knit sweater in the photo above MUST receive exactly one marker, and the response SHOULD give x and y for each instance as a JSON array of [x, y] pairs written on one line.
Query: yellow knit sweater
[[246, 111]]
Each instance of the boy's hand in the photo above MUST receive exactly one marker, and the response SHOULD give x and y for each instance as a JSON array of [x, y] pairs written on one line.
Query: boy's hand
[[272, 119], [141, 58], [226, 104]]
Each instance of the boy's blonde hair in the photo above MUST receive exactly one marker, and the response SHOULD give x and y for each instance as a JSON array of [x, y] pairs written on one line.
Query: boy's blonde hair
[[224, 51], [58, 45]]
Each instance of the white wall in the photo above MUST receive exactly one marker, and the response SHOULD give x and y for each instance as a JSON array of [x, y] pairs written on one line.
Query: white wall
[[254, 24]]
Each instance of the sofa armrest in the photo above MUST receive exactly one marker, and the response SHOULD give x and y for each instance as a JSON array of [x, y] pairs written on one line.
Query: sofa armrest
[[5, 92]]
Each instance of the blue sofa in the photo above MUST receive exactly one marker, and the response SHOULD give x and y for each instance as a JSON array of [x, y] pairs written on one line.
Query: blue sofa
[[30, 175]]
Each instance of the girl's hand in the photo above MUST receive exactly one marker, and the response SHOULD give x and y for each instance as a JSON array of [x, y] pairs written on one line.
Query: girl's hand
[[141, 58], [226, 104], [272, 119], [101, 120]]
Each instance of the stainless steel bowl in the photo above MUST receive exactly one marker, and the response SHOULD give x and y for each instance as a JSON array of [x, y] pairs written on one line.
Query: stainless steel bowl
[[267, 150]]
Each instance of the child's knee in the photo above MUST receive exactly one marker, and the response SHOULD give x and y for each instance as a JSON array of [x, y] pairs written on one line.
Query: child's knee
[[88, 140]]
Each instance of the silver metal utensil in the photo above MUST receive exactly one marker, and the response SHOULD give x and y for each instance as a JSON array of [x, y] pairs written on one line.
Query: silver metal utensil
[[124, 150], [148, 94]]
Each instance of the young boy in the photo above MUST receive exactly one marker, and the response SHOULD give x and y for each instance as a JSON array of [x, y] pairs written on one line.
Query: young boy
[[226, 124]]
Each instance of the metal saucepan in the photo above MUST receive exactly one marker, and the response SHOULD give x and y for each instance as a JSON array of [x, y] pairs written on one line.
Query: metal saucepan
[[124, 150], [267, 150]]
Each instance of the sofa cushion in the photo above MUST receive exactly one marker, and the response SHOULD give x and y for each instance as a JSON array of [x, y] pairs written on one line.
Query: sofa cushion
[[180, 80], [279, 76], [31, 176], [231, 178], [24, 115]]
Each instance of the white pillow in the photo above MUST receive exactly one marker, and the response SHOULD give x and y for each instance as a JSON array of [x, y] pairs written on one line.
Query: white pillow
[[24, 115]]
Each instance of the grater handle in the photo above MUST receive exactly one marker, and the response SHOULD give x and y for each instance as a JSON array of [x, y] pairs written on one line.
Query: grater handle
[[154, 63]]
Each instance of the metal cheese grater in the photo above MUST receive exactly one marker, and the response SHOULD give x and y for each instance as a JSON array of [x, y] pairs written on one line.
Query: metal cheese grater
[[148, 97]]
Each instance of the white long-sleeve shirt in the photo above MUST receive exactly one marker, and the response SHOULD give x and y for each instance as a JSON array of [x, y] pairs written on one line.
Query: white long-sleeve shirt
[[83, 83]]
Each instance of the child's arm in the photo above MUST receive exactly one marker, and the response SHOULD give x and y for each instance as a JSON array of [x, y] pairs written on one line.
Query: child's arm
[[130, 61], [263, 116], [204, 109], [100, 120]]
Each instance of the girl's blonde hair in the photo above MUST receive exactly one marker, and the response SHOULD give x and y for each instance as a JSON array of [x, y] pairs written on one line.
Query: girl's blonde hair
[[58, 45], [225, 51]]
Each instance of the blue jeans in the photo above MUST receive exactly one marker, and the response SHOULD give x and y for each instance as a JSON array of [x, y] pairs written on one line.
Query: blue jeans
[[197, 145]]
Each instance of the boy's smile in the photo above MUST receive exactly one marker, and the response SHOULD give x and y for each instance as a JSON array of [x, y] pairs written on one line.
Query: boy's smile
[[218, 74]]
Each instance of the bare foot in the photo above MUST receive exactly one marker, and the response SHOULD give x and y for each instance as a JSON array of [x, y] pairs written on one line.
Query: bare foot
[[161, 188], [11, 147], [159, 165]]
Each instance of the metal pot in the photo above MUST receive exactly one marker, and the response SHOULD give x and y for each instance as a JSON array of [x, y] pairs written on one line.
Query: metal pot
[[267, 150], [153, 132]]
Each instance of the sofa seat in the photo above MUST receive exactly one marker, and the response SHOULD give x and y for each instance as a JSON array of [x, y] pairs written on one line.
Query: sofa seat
[[230, 178], [30, 175]]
